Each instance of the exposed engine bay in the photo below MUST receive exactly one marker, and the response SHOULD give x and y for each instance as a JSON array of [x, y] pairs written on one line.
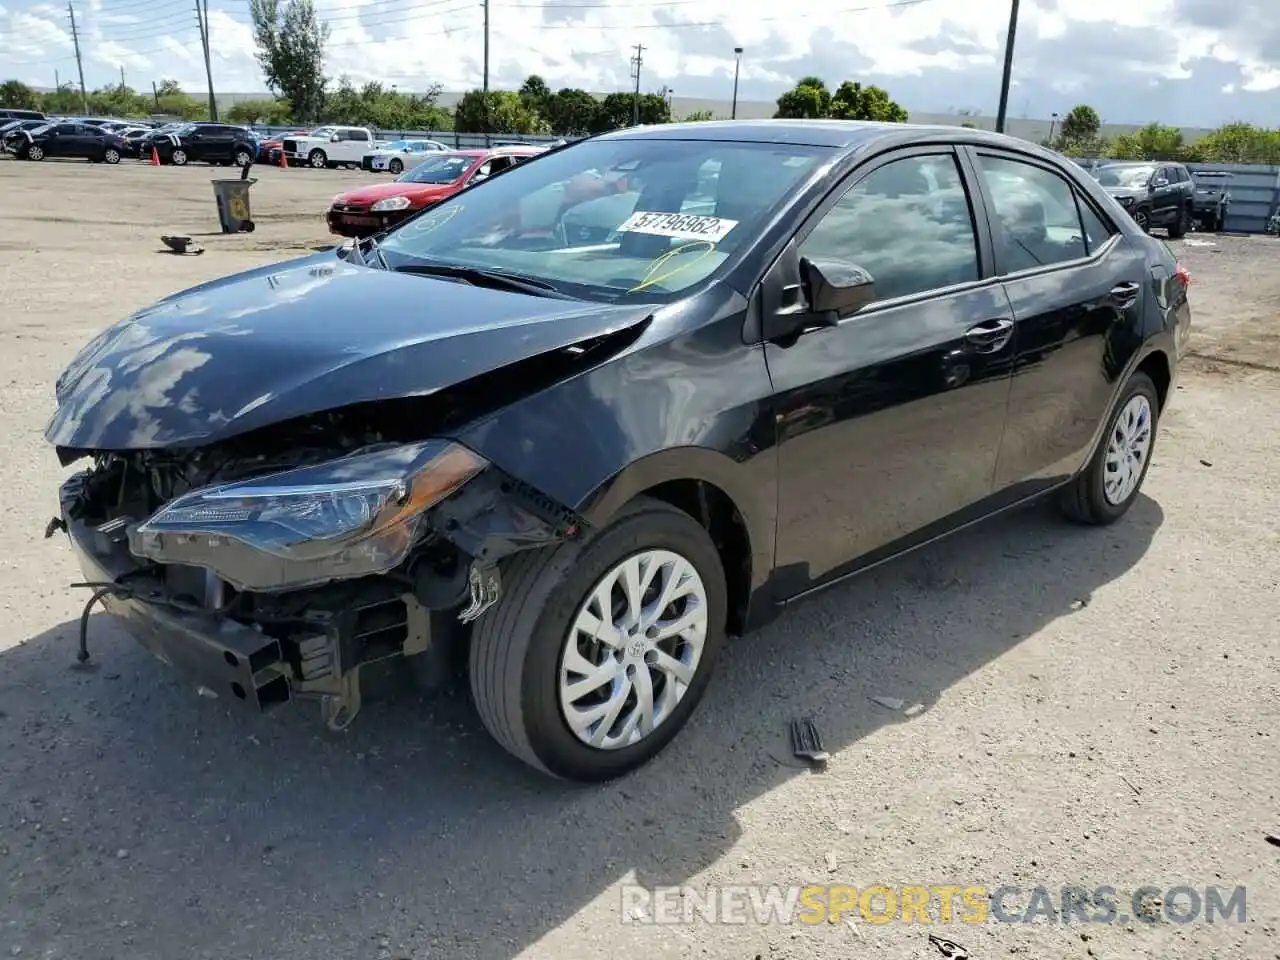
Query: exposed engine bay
[[261, 636]]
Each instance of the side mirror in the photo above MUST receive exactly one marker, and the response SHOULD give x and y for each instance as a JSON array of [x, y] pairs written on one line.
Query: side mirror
[[836, 286], [1159, 182]]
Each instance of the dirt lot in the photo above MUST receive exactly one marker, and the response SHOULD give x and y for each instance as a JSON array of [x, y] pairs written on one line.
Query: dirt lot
[[1100, 706]]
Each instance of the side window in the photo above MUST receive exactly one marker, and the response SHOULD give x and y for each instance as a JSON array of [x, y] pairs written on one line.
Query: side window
[[67, 129], [1096, 230], [907, 223], [1036, 222]]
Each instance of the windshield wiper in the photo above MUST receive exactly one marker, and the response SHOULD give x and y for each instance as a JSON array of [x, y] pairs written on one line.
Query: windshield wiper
[[486, 278]]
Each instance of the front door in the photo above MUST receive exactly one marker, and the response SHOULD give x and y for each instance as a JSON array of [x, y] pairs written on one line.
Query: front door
[[889, 422], [1077, 287]]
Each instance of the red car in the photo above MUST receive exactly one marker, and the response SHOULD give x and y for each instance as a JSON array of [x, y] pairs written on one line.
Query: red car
[[369, 210]]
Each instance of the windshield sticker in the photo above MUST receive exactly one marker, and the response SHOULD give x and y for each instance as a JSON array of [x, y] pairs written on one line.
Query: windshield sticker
[[430, 221], [679, 226]]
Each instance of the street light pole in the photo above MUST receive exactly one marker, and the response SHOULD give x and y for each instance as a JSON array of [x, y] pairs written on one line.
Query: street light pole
[[1008, 66], [737, 64], [1053, 122]]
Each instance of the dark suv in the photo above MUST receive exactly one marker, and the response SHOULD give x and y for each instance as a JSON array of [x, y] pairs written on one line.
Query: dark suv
[[1154, 194], [210, 142]]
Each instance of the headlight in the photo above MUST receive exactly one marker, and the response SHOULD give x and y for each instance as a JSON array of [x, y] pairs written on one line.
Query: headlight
[[351, 517], [1126, 201], [390, 203]]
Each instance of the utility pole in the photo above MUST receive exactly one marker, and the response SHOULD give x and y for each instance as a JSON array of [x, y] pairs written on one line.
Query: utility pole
[[737, 64], [57, 80], [202, 18], [636, 62], [122, 78], [486, 48], [1008, 66], [156, 95], [75, 39]]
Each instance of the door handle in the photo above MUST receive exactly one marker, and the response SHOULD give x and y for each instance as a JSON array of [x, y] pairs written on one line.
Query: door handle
[[1125, 295], [991, 335]]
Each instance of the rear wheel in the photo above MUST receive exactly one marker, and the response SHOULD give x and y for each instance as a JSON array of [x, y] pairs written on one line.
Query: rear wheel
[[1106, 488], [396, 167], [1181, 225], [111, 155], [599, 651]]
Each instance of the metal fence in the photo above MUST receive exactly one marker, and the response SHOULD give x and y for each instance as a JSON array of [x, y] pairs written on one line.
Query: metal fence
[[1254, 189], [450, 138]]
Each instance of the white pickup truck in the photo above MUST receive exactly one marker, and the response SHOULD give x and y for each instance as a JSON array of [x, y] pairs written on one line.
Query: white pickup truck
[[331, 146]]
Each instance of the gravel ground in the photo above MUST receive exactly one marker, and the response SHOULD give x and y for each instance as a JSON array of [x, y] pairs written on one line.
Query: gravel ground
[[1099, 706]]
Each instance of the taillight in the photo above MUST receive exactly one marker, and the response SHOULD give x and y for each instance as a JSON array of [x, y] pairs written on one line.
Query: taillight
[[1180, 272]]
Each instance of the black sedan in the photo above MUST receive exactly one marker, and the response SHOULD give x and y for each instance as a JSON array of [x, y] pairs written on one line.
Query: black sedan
[[210, 142], [67, 140], [799, 349]]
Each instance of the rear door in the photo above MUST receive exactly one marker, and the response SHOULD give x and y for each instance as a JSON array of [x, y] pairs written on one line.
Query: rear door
[[890, 421], [1076, 285]]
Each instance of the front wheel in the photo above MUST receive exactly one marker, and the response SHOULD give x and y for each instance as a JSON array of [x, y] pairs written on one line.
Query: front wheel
[[243, 158], [317, 159], [35, 152], [1143, 219], [1105, 490], [599, 651], [178, 158]]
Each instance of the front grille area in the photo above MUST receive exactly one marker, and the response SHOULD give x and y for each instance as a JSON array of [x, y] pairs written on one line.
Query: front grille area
[[350, 208], [366, 162], [291, 146]]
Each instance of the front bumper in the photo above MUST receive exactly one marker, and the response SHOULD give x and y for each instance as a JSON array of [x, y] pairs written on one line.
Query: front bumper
[[217, 654], [360, 225]]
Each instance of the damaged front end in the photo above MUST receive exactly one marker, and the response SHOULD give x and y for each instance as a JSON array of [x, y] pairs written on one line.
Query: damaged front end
[[266, 570]]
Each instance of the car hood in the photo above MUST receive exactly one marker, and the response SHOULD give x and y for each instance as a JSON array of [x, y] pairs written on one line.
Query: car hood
[[1128, 193], [298, 338], [414, 191]]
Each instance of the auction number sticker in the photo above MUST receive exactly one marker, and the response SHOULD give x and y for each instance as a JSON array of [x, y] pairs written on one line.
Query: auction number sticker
[[679, 226]]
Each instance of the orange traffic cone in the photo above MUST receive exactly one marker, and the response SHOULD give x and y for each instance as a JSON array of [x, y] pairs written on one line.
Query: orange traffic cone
[[155, 157], [284, 161]]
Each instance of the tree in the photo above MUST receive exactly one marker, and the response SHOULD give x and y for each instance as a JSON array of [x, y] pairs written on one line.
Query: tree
[[1079, 126], [290, 43], [66, 99], [617, 109], [571, 112], [498, 111], [18, 96], [699, 116], [1237, 143], [853, 101], [808, 100], [535, 88], [274, 112]]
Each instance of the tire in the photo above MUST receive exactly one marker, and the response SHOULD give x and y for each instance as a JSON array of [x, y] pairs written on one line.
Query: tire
[[178, 157], [395, 167], [1178, 229], [1142, 217], [318, 159], [517, 648], [111, 155], [1086, 499], [243, 157], [35, 152]]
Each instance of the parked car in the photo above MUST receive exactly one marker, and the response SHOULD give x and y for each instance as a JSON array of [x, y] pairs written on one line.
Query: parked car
[[1154, 194], [368, 210], [583, 465], [331, 146], [8, 113], [210, 142], [69, 140], [270, 147], [399, 155], [1212, 200], [10, 129]]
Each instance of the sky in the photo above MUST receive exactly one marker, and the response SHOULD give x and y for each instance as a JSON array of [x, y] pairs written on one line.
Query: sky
[[1183, 62]]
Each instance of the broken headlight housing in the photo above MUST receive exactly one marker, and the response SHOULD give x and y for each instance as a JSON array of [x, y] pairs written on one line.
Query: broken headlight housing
[[351, 517]]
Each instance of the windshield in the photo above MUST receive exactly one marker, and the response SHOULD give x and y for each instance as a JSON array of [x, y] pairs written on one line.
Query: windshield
[[322, 132], [611, 219], [445, 169], [397, 145], [1125, 176]]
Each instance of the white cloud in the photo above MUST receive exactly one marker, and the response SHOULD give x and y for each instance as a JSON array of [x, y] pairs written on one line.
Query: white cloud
[[936, 51]]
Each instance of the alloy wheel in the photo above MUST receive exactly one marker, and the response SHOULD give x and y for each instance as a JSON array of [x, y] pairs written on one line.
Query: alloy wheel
[[1127, 450], [35, 153], [111, 156], [633, 649], [1142, 220], [179, 157]]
